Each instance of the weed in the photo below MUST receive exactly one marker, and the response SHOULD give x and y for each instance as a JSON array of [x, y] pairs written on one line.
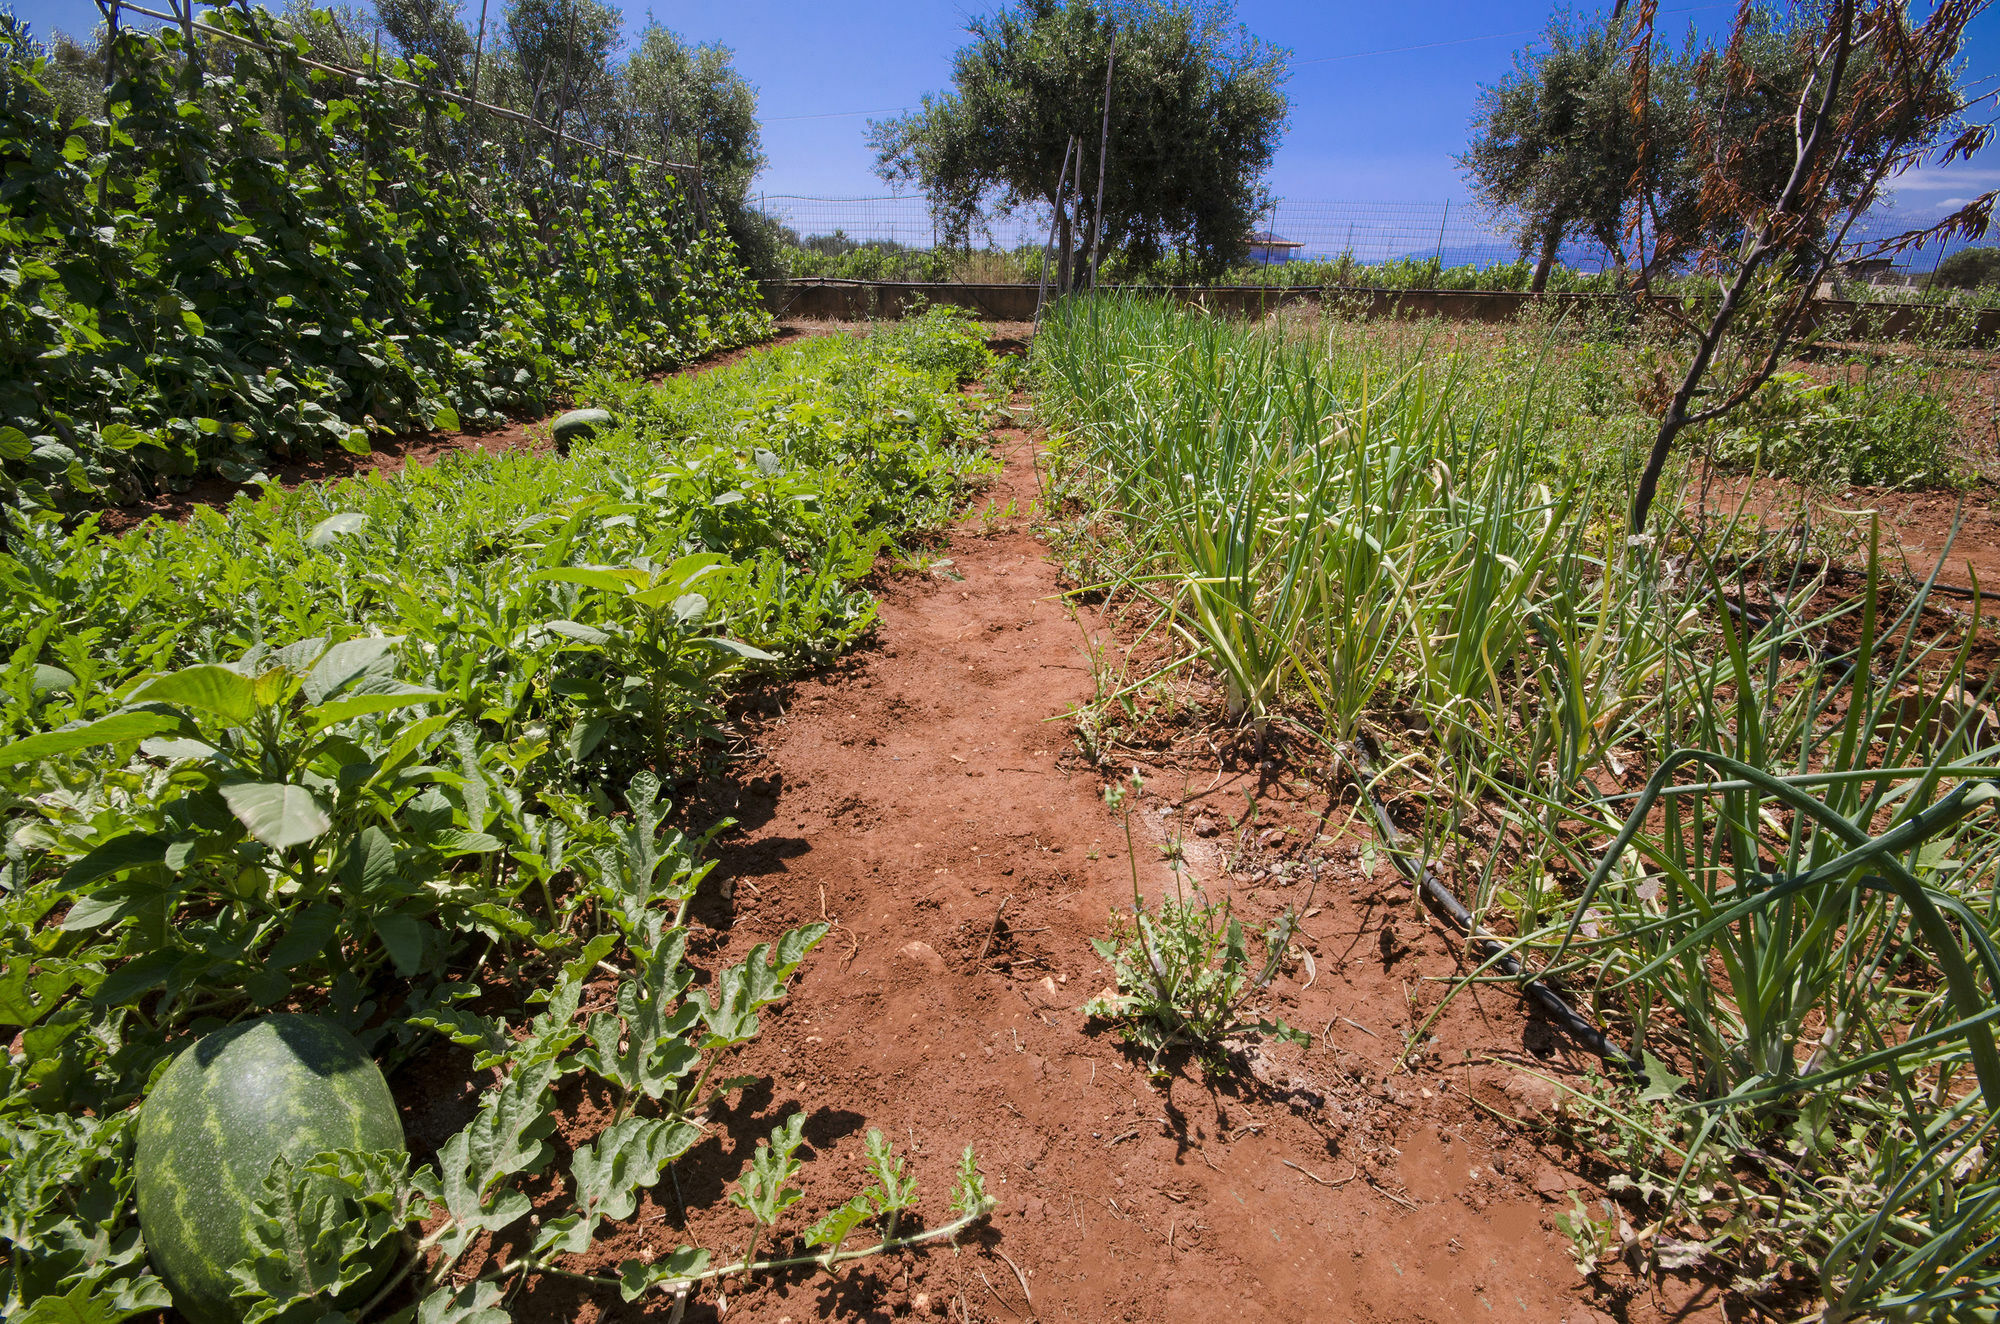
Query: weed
[[1183, 971]]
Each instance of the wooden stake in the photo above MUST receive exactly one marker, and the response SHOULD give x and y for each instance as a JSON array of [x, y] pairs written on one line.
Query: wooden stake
[[994, 927], [1103, 146], [1062, 182]]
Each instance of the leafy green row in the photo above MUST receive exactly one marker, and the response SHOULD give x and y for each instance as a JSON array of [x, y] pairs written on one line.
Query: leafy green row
[[341, 749], [249, 258]]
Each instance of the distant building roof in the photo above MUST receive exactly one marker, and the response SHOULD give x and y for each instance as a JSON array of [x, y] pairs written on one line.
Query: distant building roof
[[1265, 239]]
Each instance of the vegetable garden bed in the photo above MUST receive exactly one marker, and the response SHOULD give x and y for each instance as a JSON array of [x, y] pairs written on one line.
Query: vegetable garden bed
[[812, 600]]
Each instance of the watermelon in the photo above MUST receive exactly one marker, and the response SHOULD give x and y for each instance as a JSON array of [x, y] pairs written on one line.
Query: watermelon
[[222, 1111], [577, 427]]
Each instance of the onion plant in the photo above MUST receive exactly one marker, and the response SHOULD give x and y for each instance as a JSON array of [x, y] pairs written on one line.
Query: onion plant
[[1798, 909]]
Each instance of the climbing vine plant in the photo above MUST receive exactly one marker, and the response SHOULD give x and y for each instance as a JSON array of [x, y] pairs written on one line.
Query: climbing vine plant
[[248, 258]]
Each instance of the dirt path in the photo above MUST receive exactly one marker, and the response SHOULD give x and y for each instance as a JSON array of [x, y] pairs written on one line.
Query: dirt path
[[906, 797]]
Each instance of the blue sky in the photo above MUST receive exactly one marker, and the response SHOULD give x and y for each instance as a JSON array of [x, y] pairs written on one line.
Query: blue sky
[[1382, 93]]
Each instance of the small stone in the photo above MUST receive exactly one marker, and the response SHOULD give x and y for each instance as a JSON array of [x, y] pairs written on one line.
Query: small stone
[[1532, 1099], [1553, 1182], [924, 955]]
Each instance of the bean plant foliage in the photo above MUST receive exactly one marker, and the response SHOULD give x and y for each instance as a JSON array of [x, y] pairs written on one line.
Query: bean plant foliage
[[397, 752], [246, 259]]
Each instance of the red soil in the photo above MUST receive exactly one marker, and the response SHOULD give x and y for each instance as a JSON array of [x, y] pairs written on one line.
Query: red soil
[[1918, 534], [922, 799]]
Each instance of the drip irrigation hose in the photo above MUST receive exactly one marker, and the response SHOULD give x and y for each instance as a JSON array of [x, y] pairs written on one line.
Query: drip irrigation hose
[[1432, 889]]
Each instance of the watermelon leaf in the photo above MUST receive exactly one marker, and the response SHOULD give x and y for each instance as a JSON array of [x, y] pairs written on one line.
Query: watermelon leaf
[[644, 1048], [89, 1303], [742, 989], [513, 1122], [319, 1233], [468, 1029], [636, 1276], [761, 1192], [475, 1303], [505, 1139], [606, 1176], [67, 1221], [839, 1225]]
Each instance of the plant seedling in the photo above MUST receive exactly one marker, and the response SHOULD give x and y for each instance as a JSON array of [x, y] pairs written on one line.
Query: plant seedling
[[1184, 971]]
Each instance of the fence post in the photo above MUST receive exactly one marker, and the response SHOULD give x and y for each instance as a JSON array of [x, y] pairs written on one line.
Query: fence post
[[1103, 146], [1062, 182]]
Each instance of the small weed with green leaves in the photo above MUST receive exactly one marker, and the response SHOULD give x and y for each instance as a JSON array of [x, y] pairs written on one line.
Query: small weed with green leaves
[[1184, 971]]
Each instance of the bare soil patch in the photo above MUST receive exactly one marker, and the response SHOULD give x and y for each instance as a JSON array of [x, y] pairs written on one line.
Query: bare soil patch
[[921, 798], [1957, 534]]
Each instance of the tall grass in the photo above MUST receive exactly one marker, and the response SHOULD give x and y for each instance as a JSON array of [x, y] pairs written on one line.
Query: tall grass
[[1798, 908]]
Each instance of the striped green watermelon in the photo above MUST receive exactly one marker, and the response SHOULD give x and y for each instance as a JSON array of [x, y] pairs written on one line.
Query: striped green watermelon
[[578, 425], [222, 1111]]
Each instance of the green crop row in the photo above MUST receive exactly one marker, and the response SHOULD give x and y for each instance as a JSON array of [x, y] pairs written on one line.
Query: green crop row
[[1424, 554], [349, 749], [248, 259]]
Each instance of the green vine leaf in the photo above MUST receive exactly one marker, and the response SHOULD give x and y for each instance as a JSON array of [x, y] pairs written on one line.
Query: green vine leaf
[[636, 1277], [321, 1227], [761, 1191], [475, 1303], [741, 990]]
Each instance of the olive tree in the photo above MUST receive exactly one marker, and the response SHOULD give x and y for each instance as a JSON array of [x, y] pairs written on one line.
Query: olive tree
[[1555, 148], [1603, 132], [1197, 111], [1969, 269], [683, 102]]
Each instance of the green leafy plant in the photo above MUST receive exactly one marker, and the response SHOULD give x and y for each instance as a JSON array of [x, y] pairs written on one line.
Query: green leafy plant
[[358, 750], [246, 259], [1183, 971], [1880, 430]]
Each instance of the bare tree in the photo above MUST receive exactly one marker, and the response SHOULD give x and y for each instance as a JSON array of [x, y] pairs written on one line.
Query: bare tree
[[1881, 96]]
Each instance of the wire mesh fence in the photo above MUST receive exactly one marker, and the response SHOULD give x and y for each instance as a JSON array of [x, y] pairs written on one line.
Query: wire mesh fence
[[1450, 232]]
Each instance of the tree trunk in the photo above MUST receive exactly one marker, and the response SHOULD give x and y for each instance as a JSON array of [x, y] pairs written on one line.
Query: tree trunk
[[1677, 415], [1551, 239]]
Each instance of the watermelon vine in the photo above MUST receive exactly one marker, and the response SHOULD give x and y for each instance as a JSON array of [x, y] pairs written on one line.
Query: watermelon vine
[[396, 753]]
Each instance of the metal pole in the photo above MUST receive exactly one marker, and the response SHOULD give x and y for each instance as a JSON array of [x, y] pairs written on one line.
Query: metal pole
[[109, 8], [1103, 146], [1062, 181], [1437, 258]]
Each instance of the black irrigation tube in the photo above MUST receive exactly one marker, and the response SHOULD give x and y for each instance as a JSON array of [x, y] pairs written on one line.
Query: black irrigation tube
[[1427, 884]]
